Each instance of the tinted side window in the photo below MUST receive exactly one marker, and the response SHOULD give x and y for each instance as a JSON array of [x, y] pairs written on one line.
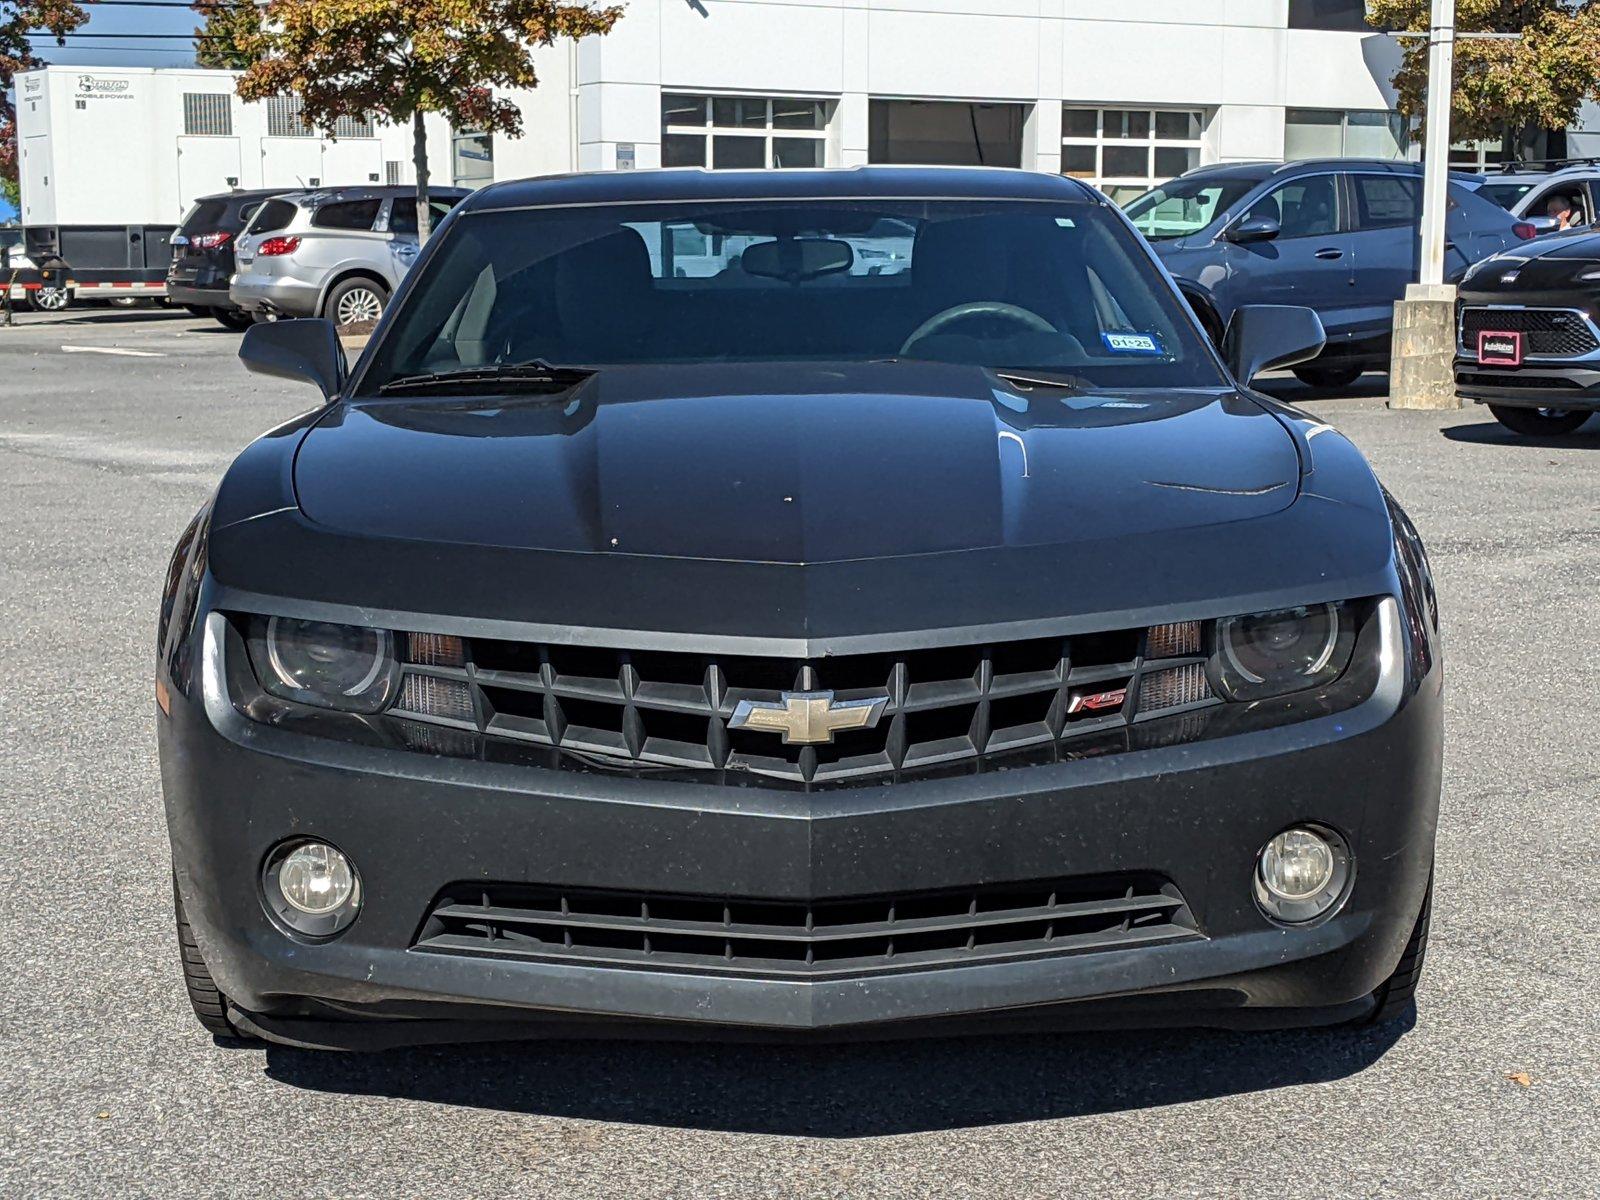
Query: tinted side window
[[347, 214], [272, 216], [248, 210], [1385, 201], [1564, 197], [1302, 207], [403, 214]]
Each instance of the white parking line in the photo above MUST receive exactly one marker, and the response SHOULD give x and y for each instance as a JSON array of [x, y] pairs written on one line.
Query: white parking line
[[112, 350]]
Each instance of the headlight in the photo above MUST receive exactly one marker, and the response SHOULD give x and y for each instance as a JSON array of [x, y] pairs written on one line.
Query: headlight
[[1287, 650], [330, 666]]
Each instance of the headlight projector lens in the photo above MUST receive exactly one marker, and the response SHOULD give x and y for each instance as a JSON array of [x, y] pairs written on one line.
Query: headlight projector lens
[[1302, 873], [346, 667], [1274, 653], [312, 888]]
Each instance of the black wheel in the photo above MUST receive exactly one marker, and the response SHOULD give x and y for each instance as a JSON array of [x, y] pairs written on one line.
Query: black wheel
[[1396, 993], [233, 318], [355, 300], [209, 1004], [1540, 422], [1327, 376]]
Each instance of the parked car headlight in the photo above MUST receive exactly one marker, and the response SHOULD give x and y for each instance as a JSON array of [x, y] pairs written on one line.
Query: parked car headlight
[[1286, 650], [345, 667]]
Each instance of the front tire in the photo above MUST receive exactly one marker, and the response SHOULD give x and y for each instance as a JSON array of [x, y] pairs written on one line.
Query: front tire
[[1540, 422], [355, 301], [1327, 377], [209, 1004], [1397, 993]]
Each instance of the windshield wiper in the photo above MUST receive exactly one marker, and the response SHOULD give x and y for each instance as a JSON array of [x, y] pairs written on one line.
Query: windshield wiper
[[1028, 380], [536, 375]]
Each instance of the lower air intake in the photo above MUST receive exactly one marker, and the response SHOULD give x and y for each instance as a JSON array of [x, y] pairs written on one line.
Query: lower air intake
[[819, 939]]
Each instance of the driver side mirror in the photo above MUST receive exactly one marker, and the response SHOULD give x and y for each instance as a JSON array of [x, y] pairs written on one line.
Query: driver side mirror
[[1254, 229], [1542, 225], [1262, 337], [306, 349]]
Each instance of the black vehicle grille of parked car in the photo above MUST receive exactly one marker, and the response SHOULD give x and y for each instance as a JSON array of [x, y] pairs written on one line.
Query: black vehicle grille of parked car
[[634, 708], [819, 939], [1550, 332]]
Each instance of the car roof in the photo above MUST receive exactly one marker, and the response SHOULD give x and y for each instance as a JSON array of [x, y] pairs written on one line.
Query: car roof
[[1260, 171], [827, 183], [369, 191], [241, 194]]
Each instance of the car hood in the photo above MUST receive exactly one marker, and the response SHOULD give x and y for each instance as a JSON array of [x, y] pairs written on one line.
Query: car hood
[[835, 464], [1552, 260]]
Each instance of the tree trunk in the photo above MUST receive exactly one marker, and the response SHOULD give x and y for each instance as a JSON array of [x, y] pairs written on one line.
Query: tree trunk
[[419, 158]]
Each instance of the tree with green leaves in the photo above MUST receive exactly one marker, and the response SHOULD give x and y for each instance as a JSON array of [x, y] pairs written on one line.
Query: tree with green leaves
[[18, 20], [401, 59], [1507, 89], [216, 41]]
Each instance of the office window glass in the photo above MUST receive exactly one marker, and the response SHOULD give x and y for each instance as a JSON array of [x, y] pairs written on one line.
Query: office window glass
[[1127, 151], [742, 131], [1331, 133]]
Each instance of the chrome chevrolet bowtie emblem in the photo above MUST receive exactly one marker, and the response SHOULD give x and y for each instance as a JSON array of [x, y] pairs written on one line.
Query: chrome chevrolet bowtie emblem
[[807, 717]]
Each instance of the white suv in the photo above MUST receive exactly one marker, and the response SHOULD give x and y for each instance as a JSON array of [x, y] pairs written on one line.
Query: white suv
[[337, 253]]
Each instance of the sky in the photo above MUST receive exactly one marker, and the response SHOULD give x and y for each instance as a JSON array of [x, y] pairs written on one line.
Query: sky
[[127, 52]]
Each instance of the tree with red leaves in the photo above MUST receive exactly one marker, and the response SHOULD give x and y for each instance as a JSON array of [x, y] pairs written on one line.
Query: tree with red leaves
[[400, 59]]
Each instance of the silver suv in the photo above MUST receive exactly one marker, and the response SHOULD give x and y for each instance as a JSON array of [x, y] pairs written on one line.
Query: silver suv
[[335, 252]]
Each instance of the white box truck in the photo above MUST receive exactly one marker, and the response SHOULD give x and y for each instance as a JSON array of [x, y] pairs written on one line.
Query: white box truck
[[111, 159]]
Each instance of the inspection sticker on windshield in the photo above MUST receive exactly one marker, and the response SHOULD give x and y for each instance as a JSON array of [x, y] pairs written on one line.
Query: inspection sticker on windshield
[[1131, 343]]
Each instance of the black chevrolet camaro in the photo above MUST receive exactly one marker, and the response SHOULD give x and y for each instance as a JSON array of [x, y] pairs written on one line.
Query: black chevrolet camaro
[[1528, 338], [804, 603]]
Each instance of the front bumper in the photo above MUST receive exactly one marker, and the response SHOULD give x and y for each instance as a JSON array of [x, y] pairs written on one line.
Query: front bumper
[[414, 824], [1540, 383]]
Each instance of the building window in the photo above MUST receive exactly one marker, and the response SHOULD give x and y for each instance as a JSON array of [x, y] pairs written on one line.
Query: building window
[[207, 114], [1126, 151], [945, 133], [742, 131], [1325, 133], [471, 158], [1329, 14], [392, 171]]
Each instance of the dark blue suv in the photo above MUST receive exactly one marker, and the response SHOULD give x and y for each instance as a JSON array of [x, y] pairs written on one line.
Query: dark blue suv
[[1337, 235]]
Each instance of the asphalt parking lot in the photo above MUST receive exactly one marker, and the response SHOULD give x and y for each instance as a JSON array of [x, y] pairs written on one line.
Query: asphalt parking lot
[[114, 425]]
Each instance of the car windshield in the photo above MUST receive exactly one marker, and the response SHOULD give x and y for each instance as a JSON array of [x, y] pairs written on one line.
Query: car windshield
[[1506, 194], [1057, 287], [1184, 206]]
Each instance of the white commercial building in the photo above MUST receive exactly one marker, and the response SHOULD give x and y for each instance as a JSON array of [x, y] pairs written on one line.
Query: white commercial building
[[1121, 96]]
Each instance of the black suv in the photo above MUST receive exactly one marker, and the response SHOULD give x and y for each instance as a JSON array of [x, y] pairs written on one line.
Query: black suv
[[202, 254]]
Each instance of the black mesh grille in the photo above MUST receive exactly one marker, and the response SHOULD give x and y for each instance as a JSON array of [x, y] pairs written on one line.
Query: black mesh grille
[[821, 938], [1548, 332], [682, 710]]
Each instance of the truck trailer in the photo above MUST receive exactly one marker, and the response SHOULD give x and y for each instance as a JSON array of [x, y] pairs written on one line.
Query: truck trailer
[[110, 160]]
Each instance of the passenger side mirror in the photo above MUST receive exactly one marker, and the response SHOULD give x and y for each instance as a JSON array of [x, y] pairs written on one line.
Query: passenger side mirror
[[307, 349], [1542, 225], [1262, 337], [1254, 229]]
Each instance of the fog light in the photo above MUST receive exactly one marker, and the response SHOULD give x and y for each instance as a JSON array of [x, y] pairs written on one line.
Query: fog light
[[312, 888], [1302, 873]]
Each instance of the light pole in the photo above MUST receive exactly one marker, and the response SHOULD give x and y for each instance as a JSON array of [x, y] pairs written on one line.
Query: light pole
[[1436, 156], [1422, 357]]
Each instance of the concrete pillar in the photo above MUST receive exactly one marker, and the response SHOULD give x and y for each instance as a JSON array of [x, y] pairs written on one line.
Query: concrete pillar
[[1422, 361]]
